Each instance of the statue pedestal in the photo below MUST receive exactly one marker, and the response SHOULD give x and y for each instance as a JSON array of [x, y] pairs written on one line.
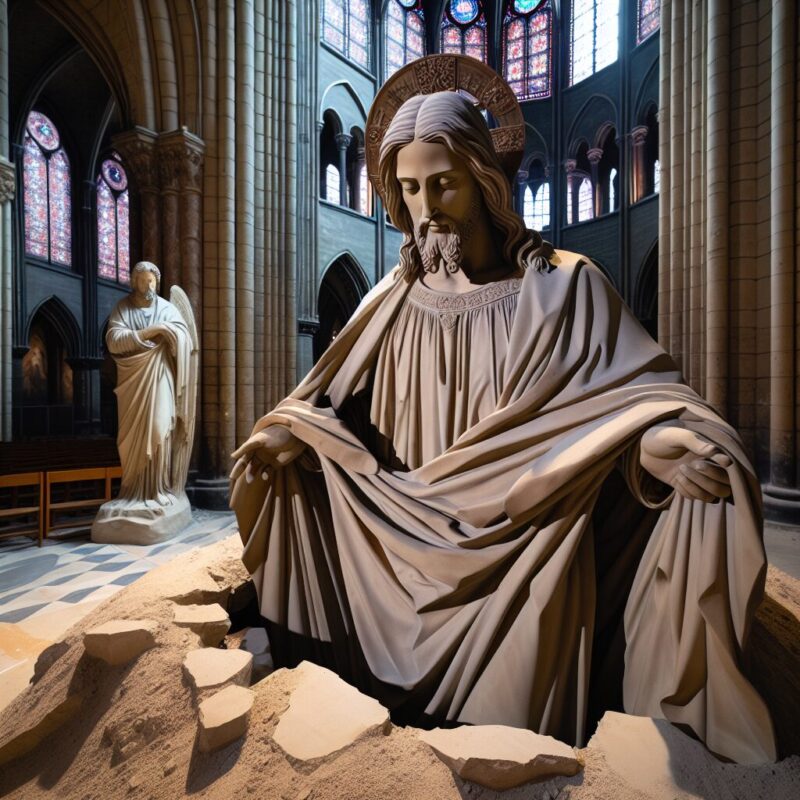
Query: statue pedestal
[[141, 522]]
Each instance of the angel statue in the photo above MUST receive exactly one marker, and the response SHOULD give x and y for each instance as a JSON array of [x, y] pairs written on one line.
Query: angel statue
[[154, 343]]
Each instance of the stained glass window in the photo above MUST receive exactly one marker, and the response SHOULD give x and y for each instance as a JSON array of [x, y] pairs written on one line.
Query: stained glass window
[[527, 41], [47, 192], [113, 222], [585, 208], [541, 207], [346, 26], [656, 176], [649, 12], [332, 192], [594, 37], [464, 29], [405, 33]]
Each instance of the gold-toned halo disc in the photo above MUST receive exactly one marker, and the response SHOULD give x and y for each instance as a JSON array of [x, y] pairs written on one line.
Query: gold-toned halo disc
[[448, 72]]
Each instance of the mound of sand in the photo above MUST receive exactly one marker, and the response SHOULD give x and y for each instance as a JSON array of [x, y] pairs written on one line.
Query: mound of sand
[[90, 731]]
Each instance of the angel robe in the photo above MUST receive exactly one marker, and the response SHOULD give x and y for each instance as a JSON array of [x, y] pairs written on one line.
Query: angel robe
[[470, 515], [155, 401]]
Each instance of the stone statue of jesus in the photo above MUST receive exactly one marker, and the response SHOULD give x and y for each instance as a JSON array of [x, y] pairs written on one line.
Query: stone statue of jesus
[[493, 500]]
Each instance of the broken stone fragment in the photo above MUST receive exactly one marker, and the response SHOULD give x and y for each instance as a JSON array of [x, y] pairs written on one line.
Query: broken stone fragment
[[197, 588], [211, 669], [210, 622], [121, 640], [325, 715], [500, 757], [223, 717]]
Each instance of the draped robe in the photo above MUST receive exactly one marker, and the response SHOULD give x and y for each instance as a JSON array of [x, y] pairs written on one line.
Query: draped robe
[[470, 511], [154, 401]]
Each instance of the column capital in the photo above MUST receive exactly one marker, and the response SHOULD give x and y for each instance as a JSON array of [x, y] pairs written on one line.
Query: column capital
[[594, 155], [639, 134], [320, 125], [180, 160], [522, 176], [343, 140], [8, 180], [570, 165], [137, 148]]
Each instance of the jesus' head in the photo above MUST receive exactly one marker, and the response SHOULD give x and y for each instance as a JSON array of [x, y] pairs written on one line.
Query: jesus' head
[[445, 187]]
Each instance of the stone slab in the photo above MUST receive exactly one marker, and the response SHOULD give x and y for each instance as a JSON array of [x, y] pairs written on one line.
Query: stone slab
[[211, 669], [209, 622], [223, 718], [326, 715], [501, 757], [121, 640]]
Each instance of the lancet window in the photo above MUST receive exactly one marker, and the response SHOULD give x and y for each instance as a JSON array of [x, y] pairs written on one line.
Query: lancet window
[[464, 29], [405, 33], [527, 47], [594, 37], [47, 192], [648, 19], [346, 25], [113, 222], [585, 204]]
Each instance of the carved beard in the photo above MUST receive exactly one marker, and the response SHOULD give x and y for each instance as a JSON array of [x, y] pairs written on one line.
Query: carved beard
[[447, 247], [149, 295]]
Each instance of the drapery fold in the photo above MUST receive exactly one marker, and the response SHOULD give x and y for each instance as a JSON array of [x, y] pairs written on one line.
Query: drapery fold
[[470, 578]]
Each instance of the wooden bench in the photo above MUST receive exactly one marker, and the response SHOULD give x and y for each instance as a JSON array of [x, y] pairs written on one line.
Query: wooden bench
[[24, 479], [60, 477]]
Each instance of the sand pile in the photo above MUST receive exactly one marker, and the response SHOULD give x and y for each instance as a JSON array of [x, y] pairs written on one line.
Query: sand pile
[[92, 731]]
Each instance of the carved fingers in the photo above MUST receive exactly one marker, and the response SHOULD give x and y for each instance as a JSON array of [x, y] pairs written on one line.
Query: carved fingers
[[683, 459], [275, 447]]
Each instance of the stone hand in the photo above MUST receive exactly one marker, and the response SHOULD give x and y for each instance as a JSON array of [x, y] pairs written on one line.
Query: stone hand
[[154, 332], [275, 446], [681, 458]]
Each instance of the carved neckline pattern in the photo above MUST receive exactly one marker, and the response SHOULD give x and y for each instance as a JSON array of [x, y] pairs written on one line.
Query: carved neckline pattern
[[451, 304]]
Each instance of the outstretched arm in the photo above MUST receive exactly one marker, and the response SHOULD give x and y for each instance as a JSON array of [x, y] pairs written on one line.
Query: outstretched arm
[[683, 459]]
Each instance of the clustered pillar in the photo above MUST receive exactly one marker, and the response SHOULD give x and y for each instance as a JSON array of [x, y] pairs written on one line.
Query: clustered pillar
[[729, 253]]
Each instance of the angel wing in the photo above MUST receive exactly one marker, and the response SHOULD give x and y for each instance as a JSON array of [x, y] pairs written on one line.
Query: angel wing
[[187, 391]]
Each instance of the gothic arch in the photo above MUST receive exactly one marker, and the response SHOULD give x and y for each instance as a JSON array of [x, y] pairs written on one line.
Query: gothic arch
[[149, 54], [60, 318], [342, 287], [647, 94], [348, 106], [536, 147], [597, 111]]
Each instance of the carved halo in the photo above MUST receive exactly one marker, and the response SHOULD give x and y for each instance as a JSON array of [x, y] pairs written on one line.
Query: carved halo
[[449, 72]]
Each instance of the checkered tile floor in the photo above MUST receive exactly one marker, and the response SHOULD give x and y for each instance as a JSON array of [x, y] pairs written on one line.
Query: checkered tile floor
[[71, 570]]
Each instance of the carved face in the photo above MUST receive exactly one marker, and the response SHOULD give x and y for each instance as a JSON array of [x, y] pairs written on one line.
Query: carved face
[[442, 198], [144, 284]]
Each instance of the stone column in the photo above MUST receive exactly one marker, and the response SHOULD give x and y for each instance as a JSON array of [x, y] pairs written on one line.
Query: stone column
[[569, 167], [782, 491], [138, 150], [522, 182], [180, 165], [594, 155], [342, 143], [8, 182], [638, 139]]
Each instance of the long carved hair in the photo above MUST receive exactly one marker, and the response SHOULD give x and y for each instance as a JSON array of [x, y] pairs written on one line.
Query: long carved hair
[[450, 119]]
